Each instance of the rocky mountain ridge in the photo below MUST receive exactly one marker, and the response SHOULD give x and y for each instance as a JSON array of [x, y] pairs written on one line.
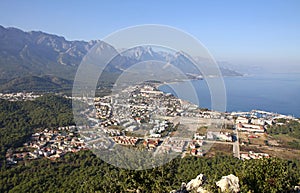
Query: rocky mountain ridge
[[24, 56]]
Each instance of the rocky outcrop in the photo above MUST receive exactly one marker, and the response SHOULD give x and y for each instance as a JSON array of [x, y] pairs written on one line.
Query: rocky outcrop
[[202, 190], [194, 184], [229, 183], [181, 190], [297, 189]]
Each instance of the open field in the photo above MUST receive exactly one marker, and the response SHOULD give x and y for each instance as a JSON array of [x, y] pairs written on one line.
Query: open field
[[284, 153], [219, 148], [286, 141]]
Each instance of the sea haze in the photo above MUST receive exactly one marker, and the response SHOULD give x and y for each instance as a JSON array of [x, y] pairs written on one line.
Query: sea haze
[[270, 92]]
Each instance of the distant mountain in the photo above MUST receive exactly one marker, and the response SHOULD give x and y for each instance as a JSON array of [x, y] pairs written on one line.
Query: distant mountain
[[147, 53], [178, 59], [38, 53], [36, 56]]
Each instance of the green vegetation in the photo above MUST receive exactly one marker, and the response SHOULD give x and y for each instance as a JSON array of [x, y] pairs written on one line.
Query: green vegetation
[[269, 175], [37, 84], [289, 129], [83, 172], [19, 119], [202, 130]]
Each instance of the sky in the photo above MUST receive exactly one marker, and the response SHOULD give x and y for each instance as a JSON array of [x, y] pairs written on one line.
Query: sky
[[242, 32]]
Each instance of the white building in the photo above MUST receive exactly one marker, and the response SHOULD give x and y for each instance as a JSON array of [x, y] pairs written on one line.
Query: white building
[[250, 128], [242, 120]]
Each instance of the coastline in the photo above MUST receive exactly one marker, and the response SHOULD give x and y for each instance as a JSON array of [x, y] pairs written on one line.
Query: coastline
[[246, 93]]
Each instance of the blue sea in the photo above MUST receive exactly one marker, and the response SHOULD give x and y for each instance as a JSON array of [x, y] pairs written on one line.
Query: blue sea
[[278, 93]]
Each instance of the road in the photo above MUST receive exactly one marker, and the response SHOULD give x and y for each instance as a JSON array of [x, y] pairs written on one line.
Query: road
[[236, 145]]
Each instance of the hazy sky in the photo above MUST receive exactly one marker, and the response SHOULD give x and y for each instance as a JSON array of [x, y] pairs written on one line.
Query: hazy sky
[[237, 31]]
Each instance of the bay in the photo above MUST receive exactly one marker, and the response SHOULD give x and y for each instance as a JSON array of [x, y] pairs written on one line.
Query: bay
[[278, 93]]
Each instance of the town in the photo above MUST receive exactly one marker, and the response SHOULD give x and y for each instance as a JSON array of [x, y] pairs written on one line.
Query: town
[[49, 143], [20, 96], [144, 117], [162, 123]]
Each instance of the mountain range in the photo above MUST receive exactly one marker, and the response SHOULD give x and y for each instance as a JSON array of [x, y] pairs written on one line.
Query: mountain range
[[37, 61]]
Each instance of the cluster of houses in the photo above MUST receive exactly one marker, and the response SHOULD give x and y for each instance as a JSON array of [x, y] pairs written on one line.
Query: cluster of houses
[[253, 155], [132, 106], [173, 144], [158, 128], [197, 136], [147, 98], [197, 152], [257, 121], [49, 143], [20, 96], [244, 127], [195, 148], [151, 143], [206, 114], [173, 107], [108, 122], [140, 114], [254, 125], [125, 140], [112, 132], [221, 136], [103, 110]]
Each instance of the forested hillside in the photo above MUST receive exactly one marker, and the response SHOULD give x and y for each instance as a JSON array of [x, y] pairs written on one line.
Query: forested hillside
[[83, 172], [18, 120]]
